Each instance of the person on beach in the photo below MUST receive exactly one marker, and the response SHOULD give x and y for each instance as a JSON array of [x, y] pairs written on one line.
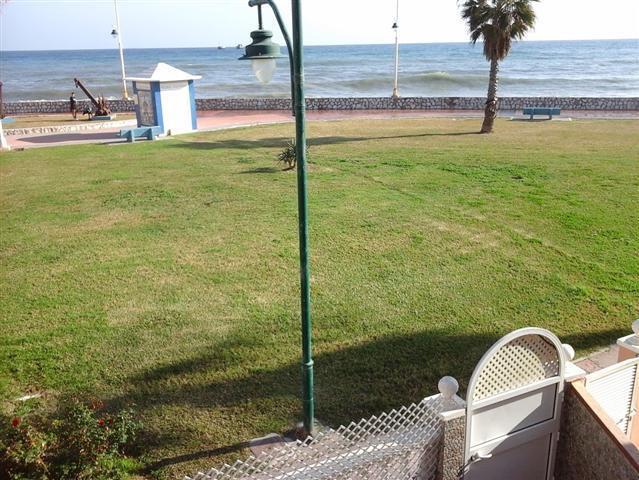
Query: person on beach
[[73, 105]]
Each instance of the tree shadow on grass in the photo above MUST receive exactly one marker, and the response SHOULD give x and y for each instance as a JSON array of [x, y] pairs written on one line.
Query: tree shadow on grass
[[260, 170], [72, 137], [193, 456], [351, 383], [275, 142]]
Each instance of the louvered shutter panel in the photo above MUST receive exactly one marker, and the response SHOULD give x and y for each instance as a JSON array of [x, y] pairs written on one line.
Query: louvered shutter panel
[[614, 391]]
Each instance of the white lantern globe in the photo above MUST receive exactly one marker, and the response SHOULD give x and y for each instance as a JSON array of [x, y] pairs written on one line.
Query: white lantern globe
[[264, 69]]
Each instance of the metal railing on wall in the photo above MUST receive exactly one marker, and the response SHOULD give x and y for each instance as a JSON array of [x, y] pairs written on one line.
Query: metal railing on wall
[[401, 444]]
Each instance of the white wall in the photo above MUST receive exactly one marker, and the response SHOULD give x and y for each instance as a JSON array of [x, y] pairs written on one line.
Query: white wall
[[176, 107]]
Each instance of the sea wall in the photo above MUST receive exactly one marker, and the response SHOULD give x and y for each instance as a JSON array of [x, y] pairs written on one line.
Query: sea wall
[[59, 106], [419, 103], [356, 103]]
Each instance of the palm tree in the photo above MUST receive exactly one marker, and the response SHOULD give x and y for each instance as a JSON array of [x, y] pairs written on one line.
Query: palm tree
[[497, 23]]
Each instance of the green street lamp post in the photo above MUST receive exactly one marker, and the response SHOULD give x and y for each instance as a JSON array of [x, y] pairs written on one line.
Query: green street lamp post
[[263, 52]]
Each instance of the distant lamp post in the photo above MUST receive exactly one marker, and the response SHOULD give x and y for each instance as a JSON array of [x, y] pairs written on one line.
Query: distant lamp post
[[263, 52], [396, 29], [116, 33]]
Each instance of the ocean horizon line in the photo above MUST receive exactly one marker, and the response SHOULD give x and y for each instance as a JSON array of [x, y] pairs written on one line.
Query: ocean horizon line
[[231, 47]]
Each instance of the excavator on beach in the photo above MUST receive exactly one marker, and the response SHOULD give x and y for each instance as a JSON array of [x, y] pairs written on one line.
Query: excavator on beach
[[101, 107]]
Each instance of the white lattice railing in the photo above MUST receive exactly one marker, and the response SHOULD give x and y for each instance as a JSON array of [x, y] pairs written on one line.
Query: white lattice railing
[[400, 445]]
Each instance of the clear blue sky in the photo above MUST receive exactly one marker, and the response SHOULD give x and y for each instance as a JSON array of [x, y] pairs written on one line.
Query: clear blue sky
[[75, 24]]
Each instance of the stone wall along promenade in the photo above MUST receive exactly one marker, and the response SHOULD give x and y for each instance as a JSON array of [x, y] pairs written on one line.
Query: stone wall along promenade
[[60, 106], [420, 103], [363, 103]]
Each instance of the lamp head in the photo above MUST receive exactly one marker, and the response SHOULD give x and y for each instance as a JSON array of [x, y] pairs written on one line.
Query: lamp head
[[262, 52]]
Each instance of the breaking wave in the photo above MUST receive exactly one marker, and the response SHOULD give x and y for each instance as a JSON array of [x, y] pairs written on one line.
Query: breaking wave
[[583, 68]]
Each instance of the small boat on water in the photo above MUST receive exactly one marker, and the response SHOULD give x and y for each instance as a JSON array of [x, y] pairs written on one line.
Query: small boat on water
[[220, 47], [239, 46]]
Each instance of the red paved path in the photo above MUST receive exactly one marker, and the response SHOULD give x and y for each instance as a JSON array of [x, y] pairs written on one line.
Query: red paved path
[[222, 119]]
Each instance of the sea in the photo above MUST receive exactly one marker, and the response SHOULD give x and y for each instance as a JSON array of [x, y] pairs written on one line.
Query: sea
[[597, 68]]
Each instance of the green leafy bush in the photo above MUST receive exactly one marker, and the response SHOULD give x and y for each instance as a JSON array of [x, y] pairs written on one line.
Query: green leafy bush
[[82, 442], [288, 156]]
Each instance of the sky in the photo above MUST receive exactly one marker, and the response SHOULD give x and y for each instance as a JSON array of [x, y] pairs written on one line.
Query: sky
[[79, 24]]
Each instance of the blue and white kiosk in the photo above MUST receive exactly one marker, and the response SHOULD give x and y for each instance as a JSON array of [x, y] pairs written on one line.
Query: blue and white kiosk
[[165, 98]]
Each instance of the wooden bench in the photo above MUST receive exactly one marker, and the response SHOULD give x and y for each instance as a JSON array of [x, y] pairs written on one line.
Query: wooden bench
[[150, 133], [550, 111]]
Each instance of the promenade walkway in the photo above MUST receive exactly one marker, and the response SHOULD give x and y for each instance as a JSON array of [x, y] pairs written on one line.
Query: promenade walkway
[[224, 119]]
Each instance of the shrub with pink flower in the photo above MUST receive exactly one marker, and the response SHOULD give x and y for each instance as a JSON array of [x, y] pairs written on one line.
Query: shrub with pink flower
[[81, 442]]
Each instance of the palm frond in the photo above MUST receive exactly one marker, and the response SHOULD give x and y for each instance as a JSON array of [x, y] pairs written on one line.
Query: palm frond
[[497, 23]]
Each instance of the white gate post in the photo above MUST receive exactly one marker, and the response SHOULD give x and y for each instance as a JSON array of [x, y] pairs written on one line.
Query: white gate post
[[4, 145], [629, 345], [451, 454], [573, 372]]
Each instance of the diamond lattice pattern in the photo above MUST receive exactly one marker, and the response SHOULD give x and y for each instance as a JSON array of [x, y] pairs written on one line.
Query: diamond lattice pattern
[[523, 361], [400, 445]]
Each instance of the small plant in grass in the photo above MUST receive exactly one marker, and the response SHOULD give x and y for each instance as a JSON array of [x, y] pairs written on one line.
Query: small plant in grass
[[83, 442], [288, 156]]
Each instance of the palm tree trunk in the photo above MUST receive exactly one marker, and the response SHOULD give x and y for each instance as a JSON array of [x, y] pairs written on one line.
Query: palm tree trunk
[[491, 101]]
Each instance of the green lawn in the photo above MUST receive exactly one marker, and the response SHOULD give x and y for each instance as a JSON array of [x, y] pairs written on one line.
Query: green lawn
[[165, 274]]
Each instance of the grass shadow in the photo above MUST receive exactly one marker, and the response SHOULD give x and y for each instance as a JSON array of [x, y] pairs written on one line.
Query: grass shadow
[[190, 457], [532, 120], [72, 137], [280, 142], [351, 383], [260, 170]]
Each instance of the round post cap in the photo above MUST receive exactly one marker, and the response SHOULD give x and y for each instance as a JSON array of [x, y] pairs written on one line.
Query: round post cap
[[448, 387], [569, 351]]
